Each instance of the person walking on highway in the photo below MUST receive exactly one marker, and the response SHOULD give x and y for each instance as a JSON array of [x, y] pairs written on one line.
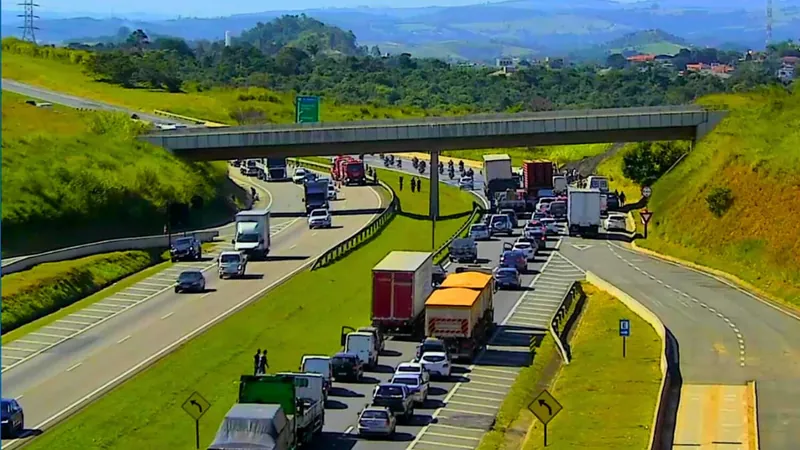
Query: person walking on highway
[[401, 186], [621, 198], [419, 185], [413, 184], [263, 365], [256, 362]]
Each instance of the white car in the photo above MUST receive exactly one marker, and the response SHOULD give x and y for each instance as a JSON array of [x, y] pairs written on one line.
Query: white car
[[319, 218], [479, 232], [332, 194], [300, 175], [526, 248], [551, 224], [436, 363], [616, 221], [466, 183], [413, 369]]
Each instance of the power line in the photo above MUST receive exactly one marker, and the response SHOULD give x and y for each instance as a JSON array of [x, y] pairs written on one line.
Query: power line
[[29, 28]]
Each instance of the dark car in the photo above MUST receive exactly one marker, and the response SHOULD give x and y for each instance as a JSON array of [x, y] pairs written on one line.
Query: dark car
[[514, 259], [507, 278], [347, 366], [537, 236], [438, 275], [185, 248], [191, 281], [430, 345], [13, 418], [612, 202]]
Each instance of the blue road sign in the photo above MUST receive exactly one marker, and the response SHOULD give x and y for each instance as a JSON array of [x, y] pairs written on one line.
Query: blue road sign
[[624, 327]]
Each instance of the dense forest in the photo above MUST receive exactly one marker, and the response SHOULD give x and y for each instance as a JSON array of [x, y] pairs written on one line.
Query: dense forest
[[303, 55]]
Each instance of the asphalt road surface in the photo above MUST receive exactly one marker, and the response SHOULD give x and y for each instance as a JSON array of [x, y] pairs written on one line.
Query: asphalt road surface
[[725, 335], [111, 340], [461, 409], [47, 95]]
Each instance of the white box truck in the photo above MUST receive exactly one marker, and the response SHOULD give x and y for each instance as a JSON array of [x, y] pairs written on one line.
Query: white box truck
[[252, 233], [496, 167], [583, 211]]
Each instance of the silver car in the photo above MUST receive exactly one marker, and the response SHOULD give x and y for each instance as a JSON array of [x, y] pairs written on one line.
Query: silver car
[[376, 421], [232, 264], [466, 183], [417, 385], [480, 232], [319, 218]]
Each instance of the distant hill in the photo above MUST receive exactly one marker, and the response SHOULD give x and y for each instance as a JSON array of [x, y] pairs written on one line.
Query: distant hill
[[302, 32], [657, 42], [484, 31]]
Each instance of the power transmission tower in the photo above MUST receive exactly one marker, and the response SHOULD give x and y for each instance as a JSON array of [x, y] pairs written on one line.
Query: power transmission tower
[[769, 23], [28, 28]]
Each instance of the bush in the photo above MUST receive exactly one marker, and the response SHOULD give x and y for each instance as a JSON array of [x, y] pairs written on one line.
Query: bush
[[719, 201], [46, 288], [647, 161]]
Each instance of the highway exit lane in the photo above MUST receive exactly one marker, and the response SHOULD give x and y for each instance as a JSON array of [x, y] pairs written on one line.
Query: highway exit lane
[[725, 336], [471, 408], [58, 380]]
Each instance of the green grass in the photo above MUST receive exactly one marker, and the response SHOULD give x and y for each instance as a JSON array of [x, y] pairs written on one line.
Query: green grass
[[753, 152], [83, 174], [218, 105], [131, 417], [560, 154], [44, 289], [598, 380]]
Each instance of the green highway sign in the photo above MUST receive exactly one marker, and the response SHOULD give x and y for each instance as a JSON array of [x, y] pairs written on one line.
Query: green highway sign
[[307, 109]]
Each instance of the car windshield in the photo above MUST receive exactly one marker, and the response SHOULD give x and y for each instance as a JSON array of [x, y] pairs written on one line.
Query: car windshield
[[408, 381], [189, 276], [183, 242], [6, 407], [409, 369], [433, 347], [434, 358], [499, 219], [319, 213], [390, 391], [478, 228], [374, 415], [522, 245], [229, 258], [341, 361], [247, 238], [300, 172]]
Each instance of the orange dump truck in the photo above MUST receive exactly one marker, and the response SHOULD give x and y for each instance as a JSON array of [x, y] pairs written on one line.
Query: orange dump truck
[[461, 313]]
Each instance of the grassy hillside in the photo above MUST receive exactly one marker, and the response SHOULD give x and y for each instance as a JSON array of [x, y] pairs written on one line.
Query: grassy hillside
[[560, 154], [71, 177], [55, 70], [750, 164]]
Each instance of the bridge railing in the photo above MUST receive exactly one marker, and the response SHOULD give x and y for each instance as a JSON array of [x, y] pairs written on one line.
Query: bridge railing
[[362, 236], [675, 109]]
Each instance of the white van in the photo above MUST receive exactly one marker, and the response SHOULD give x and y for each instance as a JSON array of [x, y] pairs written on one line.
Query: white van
[[318, 364], [363, 345]]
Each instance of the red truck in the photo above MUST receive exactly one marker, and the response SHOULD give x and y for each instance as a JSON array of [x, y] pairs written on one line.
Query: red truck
[[349, 170], [401, 283], [461, 313], [537, 175]]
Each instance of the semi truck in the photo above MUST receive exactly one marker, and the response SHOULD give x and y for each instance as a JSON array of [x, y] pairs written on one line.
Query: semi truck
[[349, 170], [401, 283], [252, 233], [275, 412], [461, 313], [583, 211], [315, 195], [537, 175], [277, 169], [497, 167]]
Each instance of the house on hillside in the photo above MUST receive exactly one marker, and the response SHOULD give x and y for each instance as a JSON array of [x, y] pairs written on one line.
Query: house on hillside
[[717, 69], [788, 71], [641, 58]]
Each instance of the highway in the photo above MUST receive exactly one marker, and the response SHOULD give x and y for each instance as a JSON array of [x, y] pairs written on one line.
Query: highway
[[79, 102], [113, 339], [726, 337], [461, 408]]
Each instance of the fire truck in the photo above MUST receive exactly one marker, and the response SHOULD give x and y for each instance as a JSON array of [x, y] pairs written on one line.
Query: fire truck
[[349, 170]]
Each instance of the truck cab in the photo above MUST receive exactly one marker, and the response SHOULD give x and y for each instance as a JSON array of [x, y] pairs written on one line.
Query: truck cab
[[232, 264], [252, 233], [361, 344], [315, 195]]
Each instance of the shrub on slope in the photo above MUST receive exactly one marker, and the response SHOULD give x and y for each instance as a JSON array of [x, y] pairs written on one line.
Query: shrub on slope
[[79, 177], [753, 156]]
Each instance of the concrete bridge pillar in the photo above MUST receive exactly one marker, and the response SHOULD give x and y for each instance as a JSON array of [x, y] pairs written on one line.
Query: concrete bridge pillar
[[434, 202]]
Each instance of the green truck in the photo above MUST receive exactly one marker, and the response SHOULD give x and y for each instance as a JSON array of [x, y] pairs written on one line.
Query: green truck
[[274, 412]]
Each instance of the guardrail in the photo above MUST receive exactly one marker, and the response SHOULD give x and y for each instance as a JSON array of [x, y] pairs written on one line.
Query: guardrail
[[112, 245], [360, 237], [444, 251], [575, 292], [207, 123]]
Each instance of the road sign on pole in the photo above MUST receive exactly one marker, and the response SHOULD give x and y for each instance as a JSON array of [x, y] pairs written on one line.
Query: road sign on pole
[[306, 108], [647, 191], [624, 331], [196, 406], [545, 407], [646, 216]]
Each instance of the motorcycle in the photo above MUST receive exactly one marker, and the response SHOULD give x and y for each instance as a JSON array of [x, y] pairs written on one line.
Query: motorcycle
[[399, 163], [441, 169], [415, 162], [421, 166], [386, 162], [452, 174], [461, 166]]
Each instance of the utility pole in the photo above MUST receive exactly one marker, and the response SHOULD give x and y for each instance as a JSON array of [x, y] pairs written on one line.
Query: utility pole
[[769, 24], [28, 27]]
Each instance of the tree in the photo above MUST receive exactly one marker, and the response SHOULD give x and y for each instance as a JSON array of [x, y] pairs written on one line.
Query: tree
[[375, 52], [138, 40], [616, 61]]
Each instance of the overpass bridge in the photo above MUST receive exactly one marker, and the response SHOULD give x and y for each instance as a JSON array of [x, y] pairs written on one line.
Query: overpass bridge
[[435, 134]]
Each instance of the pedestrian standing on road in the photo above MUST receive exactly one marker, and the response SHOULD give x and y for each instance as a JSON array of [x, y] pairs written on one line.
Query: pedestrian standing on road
[[375, 176], [263, 365], [256, 362], [621, 198], [401, 188]]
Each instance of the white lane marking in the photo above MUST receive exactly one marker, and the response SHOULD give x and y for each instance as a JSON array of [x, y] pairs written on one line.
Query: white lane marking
[[39, 333], [167, 315], [169, 348], [124, 339], [26, 341], [18, 397], [74, 367], [348, 430]]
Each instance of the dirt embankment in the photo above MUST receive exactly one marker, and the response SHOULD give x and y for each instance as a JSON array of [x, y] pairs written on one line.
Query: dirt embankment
[[588, 166]]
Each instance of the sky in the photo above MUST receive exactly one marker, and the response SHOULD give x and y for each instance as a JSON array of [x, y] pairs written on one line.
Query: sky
[[213, 8]]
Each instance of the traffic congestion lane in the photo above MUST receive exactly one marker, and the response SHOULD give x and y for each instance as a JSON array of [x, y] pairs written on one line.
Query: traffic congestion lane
[[725, 335], [347, 399], [179, 316]]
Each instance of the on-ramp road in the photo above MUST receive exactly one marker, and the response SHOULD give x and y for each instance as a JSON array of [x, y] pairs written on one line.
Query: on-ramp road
[[107, 349]]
